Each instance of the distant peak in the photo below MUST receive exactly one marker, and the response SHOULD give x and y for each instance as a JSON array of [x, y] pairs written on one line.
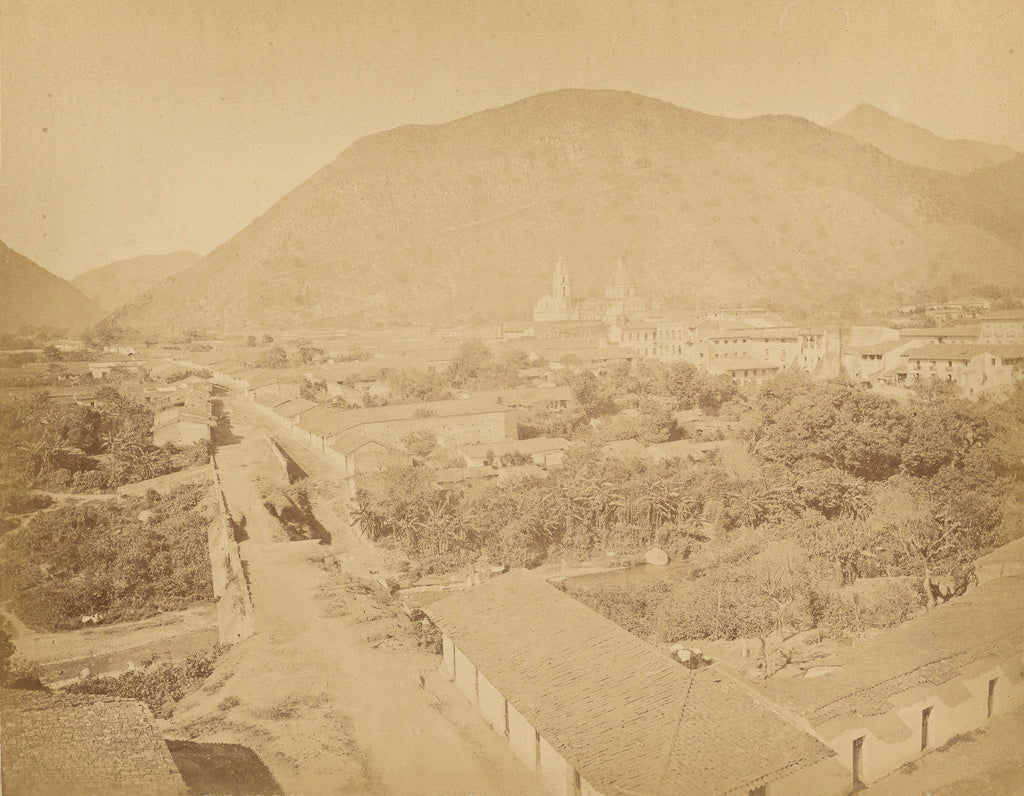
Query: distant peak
[[866, 110]]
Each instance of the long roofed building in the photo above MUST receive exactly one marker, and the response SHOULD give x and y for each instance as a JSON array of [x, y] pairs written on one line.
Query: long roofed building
[[596, 710]]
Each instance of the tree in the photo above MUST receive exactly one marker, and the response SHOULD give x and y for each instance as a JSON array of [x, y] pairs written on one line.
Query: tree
[[275, 358], [919, 533]]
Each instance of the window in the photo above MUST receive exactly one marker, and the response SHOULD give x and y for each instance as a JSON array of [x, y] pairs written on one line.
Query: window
[[925, 716], [858, 760], [506, 718], [577, 784], [991, 697], [536, 749]]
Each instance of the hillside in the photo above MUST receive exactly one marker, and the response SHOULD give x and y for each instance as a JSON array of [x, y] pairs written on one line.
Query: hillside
[[116, 284], [32, 296], [463, 221], [912, 144]]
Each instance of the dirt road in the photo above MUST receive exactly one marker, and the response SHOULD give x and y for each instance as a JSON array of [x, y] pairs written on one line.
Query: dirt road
[[317, 691]]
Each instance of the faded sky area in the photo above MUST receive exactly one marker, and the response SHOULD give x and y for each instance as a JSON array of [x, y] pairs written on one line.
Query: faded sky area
[[145, 126]]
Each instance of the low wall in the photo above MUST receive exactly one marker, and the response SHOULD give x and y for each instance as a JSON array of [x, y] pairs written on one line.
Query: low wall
[[231, 588], [165, 483]]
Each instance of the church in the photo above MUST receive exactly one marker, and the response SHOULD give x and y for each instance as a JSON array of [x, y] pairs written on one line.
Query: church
[[620, 302]]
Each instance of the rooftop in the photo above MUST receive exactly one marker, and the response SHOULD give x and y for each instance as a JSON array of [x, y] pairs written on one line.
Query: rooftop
[[61, 744], [328, 420], [534, 445], [966, 332], [965, 352], [622, 712], [930, 649]]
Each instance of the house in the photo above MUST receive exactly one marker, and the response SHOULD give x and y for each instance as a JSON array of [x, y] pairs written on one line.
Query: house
[[271, 383], [745, 370], [952, 335], [359, 454], [463, 475], [453, 422], [182, 427], [542, 451], [117, 362], [596, 710], [62, 744], [975, 369], [1003, 327], [867, 361], [889, 699]]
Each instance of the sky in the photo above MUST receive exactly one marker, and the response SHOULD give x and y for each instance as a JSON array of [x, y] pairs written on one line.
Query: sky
[[131, 127]]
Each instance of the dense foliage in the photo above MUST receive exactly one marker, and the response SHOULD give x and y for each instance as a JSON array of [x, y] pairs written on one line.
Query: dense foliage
[[125, 559], [858, 484], [64, 447], [160, 686]]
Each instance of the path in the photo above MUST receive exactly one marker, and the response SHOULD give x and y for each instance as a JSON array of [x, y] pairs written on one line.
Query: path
[[327, 711], [117, 647]]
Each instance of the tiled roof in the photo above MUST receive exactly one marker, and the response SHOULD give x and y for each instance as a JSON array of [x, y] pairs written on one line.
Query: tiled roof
[[963, 353], [942, 331], [929, 649], [294, 406], [327, 420], [534, 445], [352, 441], [525, 395], [878, 348], [627, 716], [59, 744]]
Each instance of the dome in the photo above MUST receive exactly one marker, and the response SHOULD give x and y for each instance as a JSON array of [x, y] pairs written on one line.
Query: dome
[[620, 277]]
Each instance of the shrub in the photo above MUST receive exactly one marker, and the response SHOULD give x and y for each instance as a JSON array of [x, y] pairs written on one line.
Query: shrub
[[160, 687], [98, 557]]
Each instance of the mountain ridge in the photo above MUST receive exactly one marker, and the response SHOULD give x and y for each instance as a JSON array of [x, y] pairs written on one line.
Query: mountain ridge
[[34, 297], [117, 283], [464, 220], [917, 145]]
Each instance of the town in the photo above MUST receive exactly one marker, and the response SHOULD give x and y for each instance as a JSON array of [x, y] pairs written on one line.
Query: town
[[511, 399], [399, 474]]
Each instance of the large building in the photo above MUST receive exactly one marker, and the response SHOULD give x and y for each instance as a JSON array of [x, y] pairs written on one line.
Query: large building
[[596, 710], [619, 304]]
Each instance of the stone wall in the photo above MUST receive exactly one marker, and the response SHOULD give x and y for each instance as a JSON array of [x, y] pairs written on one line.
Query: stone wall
[[231, 588]]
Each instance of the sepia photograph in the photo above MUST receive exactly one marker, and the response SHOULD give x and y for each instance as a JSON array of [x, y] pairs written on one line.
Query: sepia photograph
[[511, 397]]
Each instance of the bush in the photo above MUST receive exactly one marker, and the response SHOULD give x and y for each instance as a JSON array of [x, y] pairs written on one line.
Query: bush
[[160, 687], [89, 481], [98, 557]]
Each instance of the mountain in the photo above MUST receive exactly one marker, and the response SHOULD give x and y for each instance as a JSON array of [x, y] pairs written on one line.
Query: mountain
[[463, 221], [912, 144], [112, 285], [32, 296]]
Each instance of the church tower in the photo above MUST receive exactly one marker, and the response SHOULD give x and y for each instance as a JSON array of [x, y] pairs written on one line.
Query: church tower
[[556, 305], [560, 282]]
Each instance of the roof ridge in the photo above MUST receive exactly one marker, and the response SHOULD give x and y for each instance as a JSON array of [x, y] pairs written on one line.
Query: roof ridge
[[675, 731]]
